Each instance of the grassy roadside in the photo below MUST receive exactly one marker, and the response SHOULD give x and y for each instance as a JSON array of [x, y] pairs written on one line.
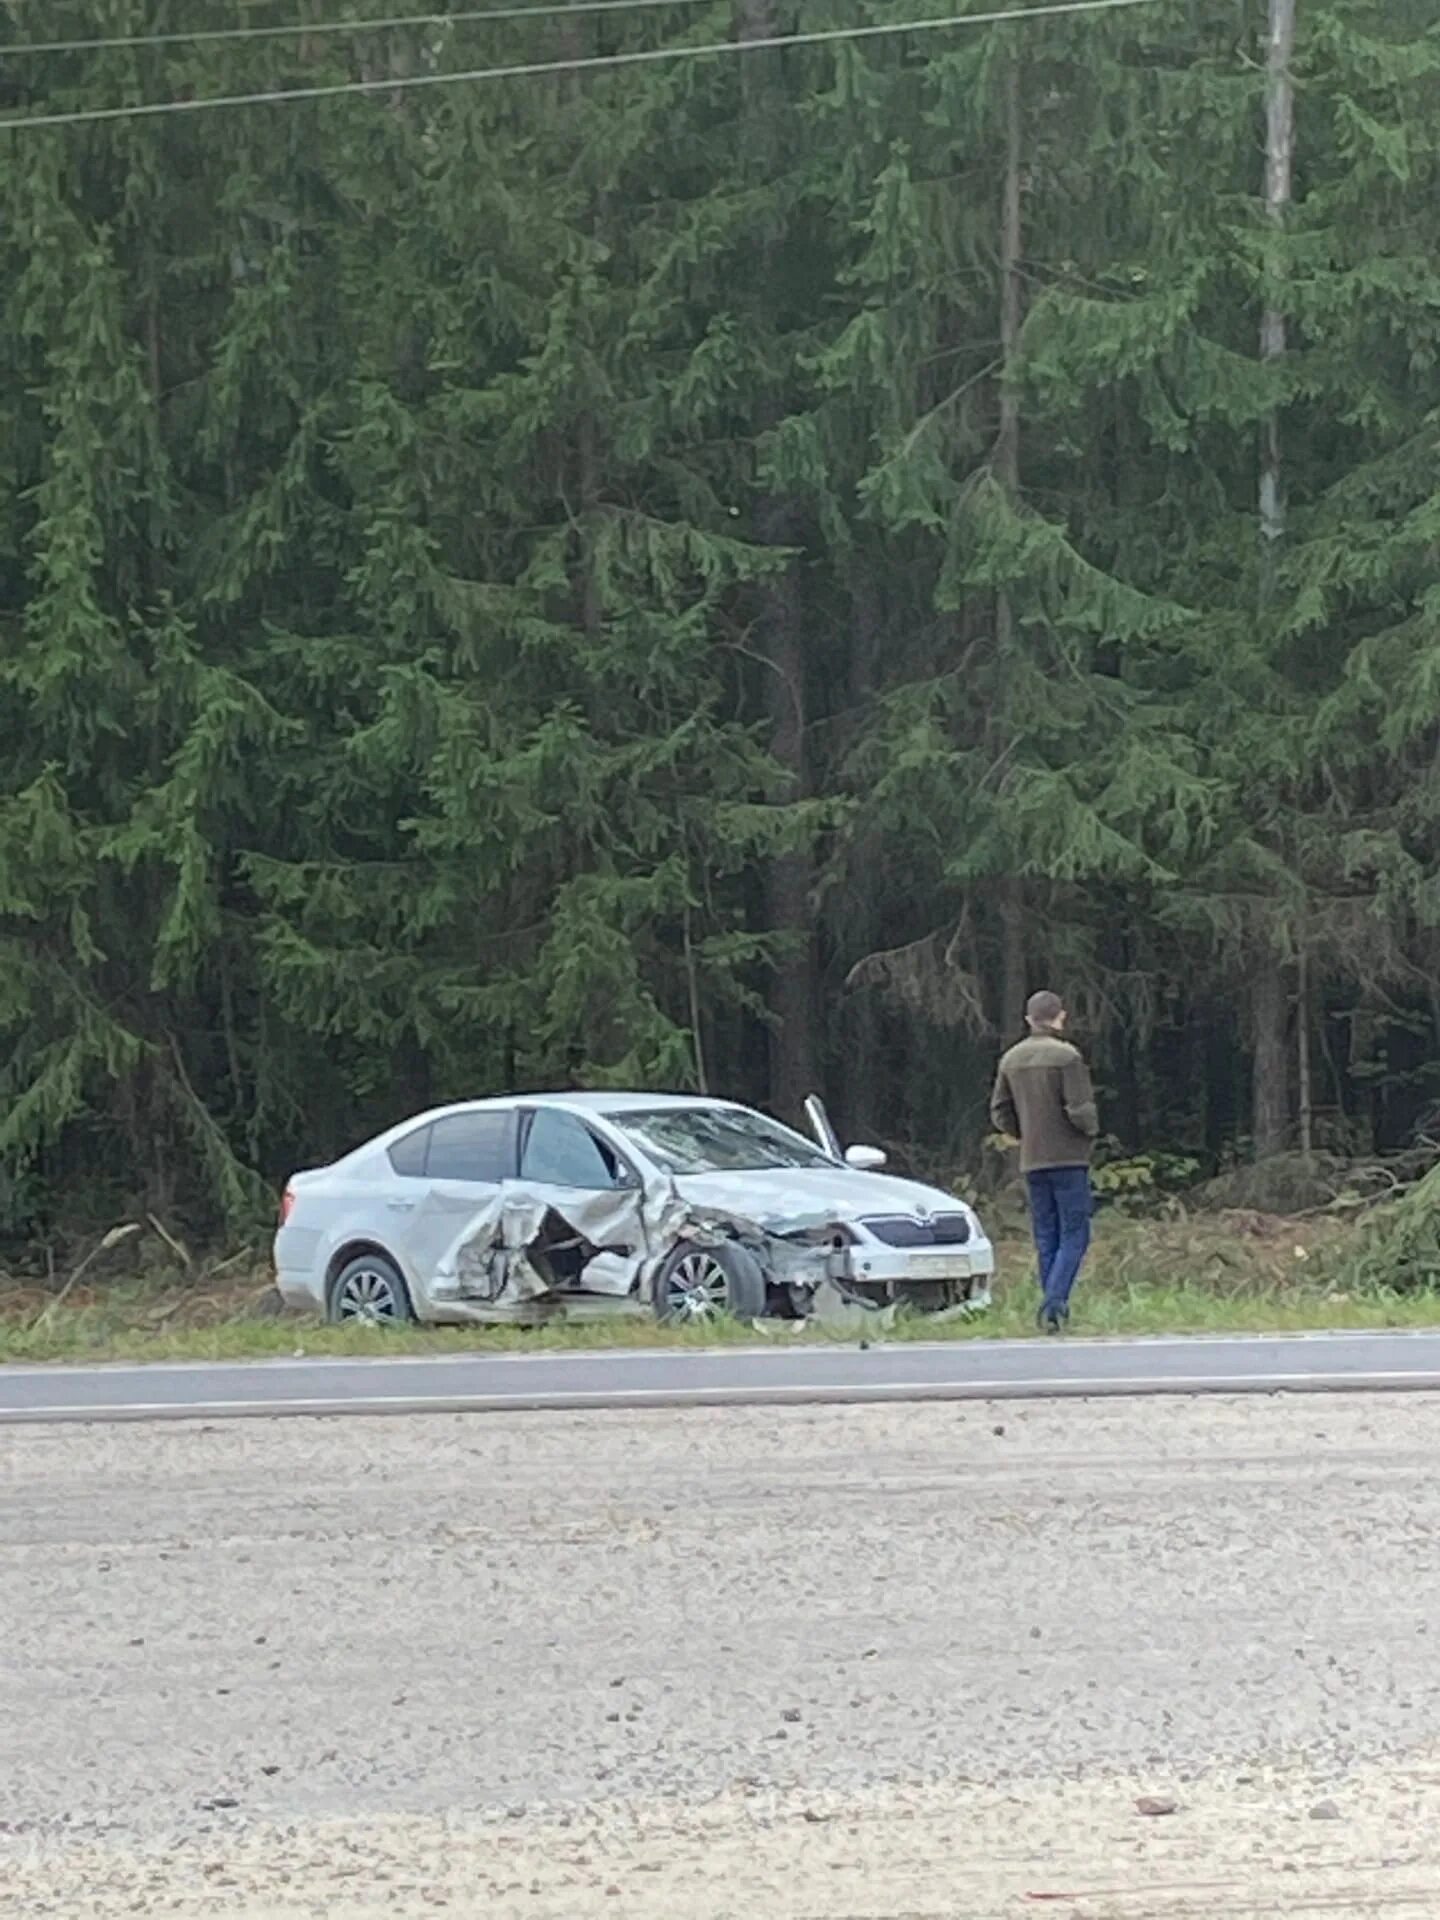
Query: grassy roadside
[[1237, 1273], [86, 1337]]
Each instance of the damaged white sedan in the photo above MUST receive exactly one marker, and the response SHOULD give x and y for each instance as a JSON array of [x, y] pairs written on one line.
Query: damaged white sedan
[[521, 1209]]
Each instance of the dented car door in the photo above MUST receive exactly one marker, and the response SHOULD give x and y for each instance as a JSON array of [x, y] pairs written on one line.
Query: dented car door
[[469, 1156], [590, 1185]]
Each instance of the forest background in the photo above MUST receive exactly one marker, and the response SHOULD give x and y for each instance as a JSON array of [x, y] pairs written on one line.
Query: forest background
[[723, 572]]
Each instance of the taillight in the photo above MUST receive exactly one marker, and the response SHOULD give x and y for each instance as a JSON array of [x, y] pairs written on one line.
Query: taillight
[[287, 1205]]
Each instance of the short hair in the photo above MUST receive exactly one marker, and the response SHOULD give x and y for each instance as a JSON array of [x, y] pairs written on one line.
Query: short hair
[[1044, 1009]]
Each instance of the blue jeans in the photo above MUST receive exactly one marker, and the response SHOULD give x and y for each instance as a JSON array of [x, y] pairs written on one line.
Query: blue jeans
[[1060, 1205]]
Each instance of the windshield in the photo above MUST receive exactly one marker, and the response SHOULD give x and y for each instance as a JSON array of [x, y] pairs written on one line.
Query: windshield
[[718, 1140]]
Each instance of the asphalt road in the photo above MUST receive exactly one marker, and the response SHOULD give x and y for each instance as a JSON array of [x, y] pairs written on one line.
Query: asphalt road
[[777, 1376]]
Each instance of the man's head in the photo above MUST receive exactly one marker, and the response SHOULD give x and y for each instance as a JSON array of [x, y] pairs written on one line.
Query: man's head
[[1045, 1013]]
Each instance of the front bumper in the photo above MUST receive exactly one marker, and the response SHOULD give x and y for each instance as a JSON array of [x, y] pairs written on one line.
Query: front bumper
[[929, 1281]]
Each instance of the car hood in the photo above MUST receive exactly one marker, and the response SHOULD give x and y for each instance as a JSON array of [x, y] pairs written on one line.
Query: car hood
[[834, 1193]]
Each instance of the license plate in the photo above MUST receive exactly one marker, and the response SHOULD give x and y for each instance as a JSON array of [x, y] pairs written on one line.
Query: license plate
[[937, 1266]]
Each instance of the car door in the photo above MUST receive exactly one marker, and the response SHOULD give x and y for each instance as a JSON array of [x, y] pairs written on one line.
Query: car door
[[467, 1156], [559, 1152]]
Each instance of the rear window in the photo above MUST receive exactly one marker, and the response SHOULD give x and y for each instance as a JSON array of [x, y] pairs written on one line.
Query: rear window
[[464, 1146], [470, 1146]]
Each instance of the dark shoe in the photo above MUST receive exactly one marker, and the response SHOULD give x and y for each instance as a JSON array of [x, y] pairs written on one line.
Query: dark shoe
[[1049, 1322]]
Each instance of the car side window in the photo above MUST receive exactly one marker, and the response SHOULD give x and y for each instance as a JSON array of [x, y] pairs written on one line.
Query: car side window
[[471, 1146], [561, 1151], [407, 1156]]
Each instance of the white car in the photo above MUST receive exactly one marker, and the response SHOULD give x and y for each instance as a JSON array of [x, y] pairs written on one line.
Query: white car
[[517, 1209]]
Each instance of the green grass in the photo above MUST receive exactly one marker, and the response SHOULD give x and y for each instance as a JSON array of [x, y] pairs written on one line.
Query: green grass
[[1225, 1274], [100, 1333]]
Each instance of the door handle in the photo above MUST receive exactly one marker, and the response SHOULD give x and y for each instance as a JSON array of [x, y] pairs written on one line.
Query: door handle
[[401, 1206]]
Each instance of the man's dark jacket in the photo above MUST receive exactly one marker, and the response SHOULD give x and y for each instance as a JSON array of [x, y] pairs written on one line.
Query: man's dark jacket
[[1044, 1098]]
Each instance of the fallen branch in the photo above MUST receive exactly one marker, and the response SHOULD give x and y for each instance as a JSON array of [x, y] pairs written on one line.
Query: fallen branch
[[111, 1239], [177, 1247]]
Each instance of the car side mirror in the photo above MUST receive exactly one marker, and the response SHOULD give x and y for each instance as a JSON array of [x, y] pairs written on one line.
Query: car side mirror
[[865, 1159]]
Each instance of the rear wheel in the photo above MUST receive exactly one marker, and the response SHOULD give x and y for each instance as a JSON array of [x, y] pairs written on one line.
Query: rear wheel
[[369, 1289], [697, 1284]]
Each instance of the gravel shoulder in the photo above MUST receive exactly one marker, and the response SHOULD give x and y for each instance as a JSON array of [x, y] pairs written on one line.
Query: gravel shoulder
[[1236, 1848], [915, 1660]]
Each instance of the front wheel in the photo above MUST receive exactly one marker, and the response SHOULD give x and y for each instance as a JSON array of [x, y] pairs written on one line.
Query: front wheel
[[697, 1284], [369, 1289]]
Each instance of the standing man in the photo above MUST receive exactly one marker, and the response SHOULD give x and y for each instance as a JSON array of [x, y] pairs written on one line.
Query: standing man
[[1043, 1097]]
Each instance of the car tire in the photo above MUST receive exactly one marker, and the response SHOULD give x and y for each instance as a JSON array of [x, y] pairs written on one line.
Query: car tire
[[369, 1289], [698, 1283]]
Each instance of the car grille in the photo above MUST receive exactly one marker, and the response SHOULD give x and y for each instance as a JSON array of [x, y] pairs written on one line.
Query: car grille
[[900, 1230], [921, 1296]]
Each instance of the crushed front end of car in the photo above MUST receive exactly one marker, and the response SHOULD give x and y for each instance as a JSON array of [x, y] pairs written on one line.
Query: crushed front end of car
[[538, 1252]]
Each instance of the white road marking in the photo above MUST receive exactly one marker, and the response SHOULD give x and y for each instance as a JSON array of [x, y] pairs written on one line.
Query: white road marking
[[580, 1400], [692, 1355]]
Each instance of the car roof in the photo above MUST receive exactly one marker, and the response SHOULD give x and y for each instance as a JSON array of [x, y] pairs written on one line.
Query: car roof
[[615, 1104], [580, 1102], [612, 1106]]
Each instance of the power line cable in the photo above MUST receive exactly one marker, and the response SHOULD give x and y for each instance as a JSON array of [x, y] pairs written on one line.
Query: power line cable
[[366, 23], [535, 68]]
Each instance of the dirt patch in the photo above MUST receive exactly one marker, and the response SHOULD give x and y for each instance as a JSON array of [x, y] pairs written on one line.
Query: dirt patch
[[1237, 1844]]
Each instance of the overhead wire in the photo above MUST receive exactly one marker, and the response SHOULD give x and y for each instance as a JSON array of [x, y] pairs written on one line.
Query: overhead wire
[[364, 23], [532, 69]]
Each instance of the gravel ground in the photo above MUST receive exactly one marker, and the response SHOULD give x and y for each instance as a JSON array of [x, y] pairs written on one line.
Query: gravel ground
[[909, 1661]]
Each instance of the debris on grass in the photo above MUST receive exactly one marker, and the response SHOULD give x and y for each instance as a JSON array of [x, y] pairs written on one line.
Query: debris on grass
[[1210, 1273]]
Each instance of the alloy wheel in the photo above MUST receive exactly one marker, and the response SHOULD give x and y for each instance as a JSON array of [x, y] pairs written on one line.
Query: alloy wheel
[[696, 1288], [368, 1295]]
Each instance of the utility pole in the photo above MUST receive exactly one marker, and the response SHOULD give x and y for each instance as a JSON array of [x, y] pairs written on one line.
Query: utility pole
[[1014, 984], [780, 635], [1271, 1119]]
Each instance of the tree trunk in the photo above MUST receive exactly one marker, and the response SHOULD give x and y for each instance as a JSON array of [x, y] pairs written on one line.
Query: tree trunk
[[1012, 291], [1279, 188], [788, 877], [697, 1016], [1271, 1122], [1303, 1076], [1219, 1054], [1014, 982], [859, 1078]]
